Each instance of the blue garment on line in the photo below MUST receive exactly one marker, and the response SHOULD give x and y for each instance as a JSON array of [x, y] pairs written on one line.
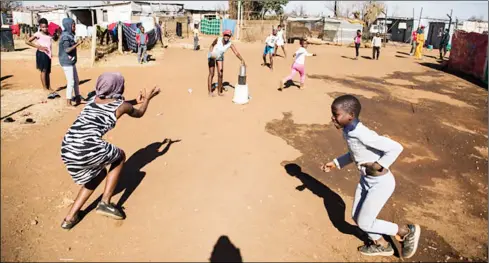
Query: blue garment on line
[[229, 24]]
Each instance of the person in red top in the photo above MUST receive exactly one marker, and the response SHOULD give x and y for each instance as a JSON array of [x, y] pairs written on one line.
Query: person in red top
[[414, 37], [142, 41]]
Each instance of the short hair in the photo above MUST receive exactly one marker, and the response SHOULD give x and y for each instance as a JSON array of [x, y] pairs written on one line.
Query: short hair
[[279, 26], [43, 21], [302, 41], [348, 103]]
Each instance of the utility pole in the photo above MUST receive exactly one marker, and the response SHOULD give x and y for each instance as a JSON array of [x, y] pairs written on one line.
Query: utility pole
[[335, 8], [420, 13], [450, 21], [385, 26]]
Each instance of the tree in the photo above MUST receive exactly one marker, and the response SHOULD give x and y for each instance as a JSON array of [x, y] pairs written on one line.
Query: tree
[[256, 9], [8, 5], [299, 11], [370, 12]]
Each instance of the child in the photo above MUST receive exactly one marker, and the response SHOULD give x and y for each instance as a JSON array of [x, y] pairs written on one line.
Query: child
[[373, 155], [418, 54], [142, 41], [43, 55], [298, 66], [414, 35], [86, 154], [67, 60], [280, 41], [358, 41], [216, 57], [196, 37], [376, 43], [269, 47]]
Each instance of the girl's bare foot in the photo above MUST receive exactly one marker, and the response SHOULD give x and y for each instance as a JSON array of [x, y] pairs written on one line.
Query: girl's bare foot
[[211, 94], [302, 87], [281, 85], [221, 94]]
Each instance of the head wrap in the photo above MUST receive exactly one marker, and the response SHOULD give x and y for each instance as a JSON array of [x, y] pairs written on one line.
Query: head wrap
[[110, 85]]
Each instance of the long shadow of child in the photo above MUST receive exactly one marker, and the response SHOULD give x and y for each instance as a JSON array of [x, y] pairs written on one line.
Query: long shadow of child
[[132, 176], [334, 204]]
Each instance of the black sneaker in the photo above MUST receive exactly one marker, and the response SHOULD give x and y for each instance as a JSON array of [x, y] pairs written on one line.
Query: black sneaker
[[109, 210], [411, 241], [376, 250]]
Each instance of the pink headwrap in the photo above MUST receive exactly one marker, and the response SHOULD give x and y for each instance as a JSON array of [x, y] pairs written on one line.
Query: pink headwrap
[[110, 85]]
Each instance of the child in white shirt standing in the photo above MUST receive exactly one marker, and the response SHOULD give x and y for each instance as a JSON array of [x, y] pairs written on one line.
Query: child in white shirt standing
[[376, 44], [280, 40], [373, 155], [269, 48], [298, 66]]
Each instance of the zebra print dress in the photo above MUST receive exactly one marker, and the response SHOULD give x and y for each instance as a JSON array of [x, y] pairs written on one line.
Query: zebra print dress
[[83, 150]]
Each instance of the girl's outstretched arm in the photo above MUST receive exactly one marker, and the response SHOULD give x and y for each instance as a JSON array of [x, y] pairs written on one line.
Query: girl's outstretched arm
[[144, 98], [213, 44], [235, 51]]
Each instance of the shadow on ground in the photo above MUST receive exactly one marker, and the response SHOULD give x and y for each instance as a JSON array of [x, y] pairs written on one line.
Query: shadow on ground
[[467, 77], [225, 251], [132, 174]]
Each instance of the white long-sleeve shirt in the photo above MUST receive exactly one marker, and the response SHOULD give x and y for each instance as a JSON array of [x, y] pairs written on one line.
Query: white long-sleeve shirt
[[366, 146], [300, 56]]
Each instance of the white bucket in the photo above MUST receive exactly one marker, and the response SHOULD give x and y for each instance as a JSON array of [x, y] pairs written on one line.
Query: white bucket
[[241, 95]]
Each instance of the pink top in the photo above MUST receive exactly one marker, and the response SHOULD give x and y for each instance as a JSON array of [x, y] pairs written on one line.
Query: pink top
[[358, 39], [44, 41]]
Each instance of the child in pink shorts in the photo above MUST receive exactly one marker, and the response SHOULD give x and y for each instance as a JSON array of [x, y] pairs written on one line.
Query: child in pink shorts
[[298, 66]]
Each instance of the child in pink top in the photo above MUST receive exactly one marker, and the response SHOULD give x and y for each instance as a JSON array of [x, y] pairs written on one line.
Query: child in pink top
[[358, 41], [43, 55], [298, 66]]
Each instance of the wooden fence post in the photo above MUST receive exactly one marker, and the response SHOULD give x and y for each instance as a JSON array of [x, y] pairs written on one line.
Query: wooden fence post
[[119, 34], [94, 45]]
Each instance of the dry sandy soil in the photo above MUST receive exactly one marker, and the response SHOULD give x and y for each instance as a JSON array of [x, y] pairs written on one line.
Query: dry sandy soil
[[243, 182]]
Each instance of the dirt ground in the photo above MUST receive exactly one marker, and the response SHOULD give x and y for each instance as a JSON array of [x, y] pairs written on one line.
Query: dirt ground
[[242, 182]]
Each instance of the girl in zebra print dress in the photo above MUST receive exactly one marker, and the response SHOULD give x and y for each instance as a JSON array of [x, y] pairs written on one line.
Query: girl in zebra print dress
[[86, 154]]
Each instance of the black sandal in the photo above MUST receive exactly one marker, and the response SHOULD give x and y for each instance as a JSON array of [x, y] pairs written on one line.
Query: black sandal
[[9, 119], [29, 121], [70, 224]]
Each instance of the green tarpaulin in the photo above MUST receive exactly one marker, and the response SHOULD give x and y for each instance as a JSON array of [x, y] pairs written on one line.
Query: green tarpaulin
[[210, 27]]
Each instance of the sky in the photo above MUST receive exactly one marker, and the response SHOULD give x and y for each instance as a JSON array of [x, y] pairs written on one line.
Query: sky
[[433, 9]]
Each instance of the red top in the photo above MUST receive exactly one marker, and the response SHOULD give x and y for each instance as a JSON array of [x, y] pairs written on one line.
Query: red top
[[138, 38], [414, 35]]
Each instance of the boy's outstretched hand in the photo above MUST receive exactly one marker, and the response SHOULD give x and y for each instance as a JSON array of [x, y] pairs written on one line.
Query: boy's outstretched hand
[[328, 167]]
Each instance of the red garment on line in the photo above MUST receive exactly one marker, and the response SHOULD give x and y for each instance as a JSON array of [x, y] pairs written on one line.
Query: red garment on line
[[52, 28], [15, 29]]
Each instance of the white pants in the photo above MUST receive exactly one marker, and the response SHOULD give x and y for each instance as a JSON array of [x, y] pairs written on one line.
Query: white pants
[[72, 81], [370, 197]]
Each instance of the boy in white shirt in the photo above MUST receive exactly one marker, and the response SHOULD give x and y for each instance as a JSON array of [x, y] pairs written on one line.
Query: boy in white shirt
[[298, 66], [376, 44], [269, 48], [373, 155], [280, 40]]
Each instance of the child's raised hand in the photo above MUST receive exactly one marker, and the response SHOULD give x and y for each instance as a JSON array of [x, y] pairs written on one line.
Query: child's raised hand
[[155, 91], [140, 98], [328, 167]]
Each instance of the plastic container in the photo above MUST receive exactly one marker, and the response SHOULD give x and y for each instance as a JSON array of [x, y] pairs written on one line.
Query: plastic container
[[241, 95], [242, 75]]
